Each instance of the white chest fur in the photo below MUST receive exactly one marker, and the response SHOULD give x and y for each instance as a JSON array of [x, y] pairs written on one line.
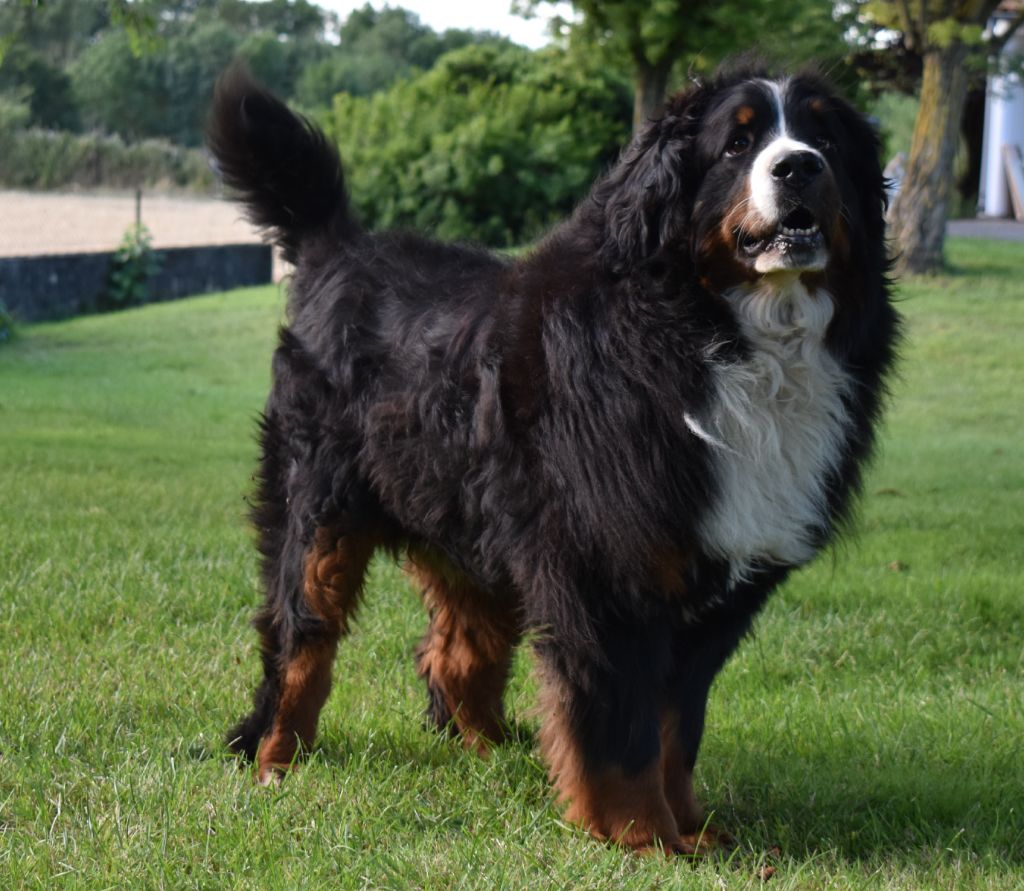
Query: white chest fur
[[776, 426]]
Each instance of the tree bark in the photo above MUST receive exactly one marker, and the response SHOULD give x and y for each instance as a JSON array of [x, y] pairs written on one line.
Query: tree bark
[[649, 85], [918, 220]]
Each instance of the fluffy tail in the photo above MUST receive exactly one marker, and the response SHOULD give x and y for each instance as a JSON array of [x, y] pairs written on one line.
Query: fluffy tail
[[284, 169]]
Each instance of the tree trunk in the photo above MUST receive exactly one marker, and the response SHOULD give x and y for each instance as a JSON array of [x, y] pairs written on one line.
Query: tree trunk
[[918, 220], [649, 85]]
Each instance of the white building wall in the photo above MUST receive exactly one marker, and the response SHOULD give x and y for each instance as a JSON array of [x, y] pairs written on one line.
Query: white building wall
[[1004, 125]]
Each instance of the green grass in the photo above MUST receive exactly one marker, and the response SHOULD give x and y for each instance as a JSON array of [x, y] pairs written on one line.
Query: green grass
[[872, 730]]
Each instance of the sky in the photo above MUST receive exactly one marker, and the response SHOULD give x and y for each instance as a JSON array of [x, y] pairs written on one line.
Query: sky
[[482, 15]]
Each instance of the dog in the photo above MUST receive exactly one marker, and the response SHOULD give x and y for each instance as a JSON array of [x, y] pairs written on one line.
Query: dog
[[618, 443]]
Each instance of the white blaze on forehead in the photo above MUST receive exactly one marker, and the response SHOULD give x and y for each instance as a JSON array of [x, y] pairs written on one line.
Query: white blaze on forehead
[[775, 90], [763, 186]]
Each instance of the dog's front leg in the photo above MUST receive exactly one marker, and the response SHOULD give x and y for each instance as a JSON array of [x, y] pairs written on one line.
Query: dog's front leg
[[601, 733]]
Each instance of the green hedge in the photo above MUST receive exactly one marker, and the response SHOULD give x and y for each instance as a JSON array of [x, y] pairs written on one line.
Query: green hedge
[[494, 143], [46, 159]]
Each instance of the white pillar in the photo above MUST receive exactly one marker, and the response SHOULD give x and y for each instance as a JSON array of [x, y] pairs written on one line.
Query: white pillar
[[1004, 125]]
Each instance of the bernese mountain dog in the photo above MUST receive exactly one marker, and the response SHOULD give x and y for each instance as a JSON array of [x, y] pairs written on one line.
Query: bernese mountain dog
[[616, 444]]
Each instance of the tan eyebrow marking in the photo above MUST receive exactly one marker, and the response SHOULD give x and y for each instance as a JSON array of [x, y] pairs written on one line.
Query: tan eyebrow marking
[[817, 105], [744, 115]]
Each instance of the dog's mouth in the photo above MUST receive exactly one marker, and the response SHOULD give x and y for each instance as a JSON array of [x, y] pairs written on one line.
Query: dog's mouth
[[796, 243]]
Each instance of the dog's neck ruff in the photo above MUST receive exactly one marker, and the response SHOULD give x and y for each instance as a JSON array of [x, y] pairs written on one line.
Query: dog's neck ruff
[[777, 427]]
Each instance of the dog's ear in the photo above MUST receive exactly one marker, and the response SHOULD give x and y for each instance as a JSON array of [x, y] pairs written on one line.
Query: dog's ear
[[644, 197], [862, 148]]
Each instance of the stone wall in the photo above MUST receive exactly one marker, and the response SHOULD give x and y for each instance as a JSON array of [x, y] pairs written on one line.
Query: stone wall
[[37, 289]]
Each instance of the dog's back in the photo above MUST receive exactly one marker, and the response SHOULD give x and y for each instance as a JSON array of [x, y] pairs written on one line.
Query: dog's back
[[412, 297]]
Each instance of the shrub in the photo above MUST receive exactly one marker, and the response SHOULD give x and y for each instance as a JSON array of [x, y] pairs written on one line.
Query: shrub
[[14, 112], [132, 266], [494, 143], [46, 159]]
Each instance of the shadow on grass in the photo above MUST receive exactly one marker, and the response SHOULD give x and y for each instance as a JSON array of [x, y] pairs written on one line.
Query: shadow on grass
[[806, 808], [422, 745], [925, 814], [920, 809]]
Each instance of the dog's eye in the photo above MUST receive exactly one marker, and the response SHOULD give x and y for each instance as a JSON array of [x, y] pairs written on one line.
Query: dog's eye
[[737, 145]]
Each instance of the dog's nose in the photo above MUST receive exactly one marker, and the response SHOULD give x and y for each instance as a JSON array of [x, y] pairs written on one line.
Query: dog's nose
[[797, 169]]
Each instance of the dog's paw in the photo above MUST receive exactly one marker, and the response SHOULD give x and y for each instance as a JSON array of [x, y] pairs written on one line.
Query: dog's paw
[[709, 839], [271, 775]]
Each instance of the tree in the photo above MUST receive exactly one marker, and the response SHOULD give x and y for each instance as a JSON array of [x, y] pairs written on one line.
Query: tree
[[377, 48], [280, 64], [951, 39], [164, 92], [118, 92], [651, 37], [45, 88], [57, 30], [291, 19]]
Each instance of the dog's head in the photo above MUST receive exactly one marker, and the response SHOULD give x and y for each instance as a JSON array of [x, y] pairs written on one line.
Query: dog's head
[[748, 176]]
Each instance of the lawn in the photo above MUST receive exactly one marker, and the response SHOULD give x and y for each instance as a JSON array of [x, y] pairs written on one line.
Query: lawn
[[869, 736]]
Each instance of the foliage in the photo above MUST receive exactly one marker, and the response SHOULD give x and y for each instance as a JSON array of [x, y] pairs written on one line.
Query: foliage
[[164, 93], [664, 40], [57, 29], [895, 113], [869, 731], [950, 40], [137, 20], [399, 35], [134, 263], [45, 86], [14, 114], [890, 39], [285, 19], [378, 48], [494, 143], [930, 24], [44, 159], [276, 63], [146, 69]]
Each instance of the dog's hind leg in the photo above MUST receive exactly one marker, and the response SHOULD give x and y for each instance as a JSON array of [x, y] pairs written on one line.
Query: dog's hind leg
[[465, 655], [332, 579], [307, 611], [316, 535]]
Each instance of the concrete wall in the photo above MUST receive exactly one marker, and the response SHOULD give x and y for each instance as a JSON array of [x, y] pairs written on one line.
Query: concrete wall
[[37, 289]]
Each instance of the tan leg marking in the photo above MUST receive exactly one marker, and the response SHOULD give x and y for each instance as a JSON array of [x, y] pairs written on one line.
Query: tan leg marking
[[304, 688], [467, 651], [334, 573], [630, 810], [332, 582]]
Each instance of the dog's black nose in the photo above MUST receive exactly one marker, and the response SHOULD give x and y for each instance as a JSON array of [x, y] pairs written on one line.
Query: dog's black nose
[[797, 169]]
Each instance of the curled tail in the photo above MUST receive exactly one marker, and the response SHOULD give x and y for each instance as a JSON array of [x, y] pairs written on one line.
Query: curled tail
[[284, 169]]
